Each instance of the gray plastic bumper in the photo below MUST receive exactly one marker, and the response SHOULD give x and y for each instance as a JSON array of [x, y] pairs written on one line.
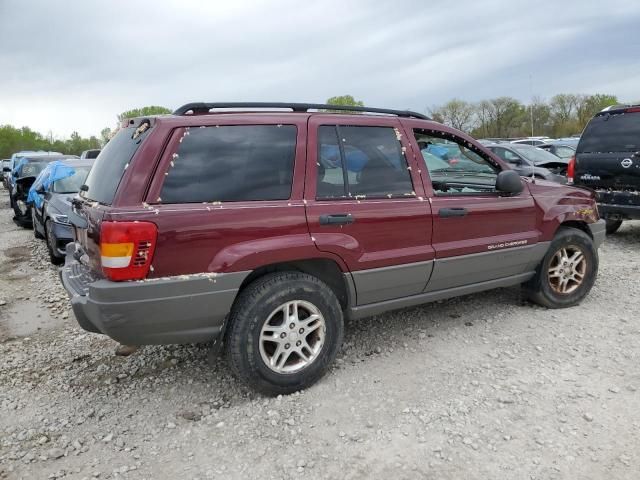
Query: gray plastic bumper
[[598, 232], [182, 309]]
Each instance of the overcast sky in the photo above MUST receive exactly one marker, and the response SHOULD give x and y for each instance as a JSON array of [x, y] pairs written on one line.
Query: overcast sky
[[75, 65]]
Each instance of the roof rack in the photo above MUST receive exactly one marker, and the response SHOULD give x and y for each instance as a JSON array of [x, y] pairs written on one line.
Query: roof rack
[[202, 107], [618, 107]]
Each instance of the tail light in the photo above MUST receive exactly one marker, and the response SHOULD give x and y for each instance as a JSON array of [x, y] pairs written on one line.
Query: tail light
[[571, 170], [126, 249]]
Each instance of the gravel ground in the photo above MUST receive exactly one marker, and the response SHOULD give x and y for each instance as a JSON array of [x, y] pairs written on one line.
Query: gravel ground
[[482, 387]]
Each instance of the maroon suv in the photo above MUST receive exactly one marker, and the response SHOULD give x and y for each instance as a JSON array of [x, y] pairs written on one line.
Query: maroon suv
[[266, 229]]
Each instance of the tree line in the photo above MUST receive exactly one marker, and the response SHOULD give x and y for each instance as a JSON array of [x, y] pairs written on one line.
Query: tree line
[[14, 139], [563, 115]]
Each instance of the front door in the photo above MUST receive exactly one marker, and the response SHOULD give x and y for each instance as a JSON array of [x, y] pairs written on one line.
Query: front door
[[366, 204], [478, 234]]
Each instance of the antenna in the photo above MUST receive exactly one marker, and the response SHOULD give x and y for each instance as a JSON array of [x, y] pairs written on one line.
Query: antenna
[[533, 165]]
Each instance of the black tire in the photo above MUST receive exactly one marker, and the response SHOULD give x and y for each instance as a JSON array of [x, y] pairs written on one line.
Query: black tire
[[612, 226], [540, 290], [21, 219], [251, 312], [50, 238], [36, 233]]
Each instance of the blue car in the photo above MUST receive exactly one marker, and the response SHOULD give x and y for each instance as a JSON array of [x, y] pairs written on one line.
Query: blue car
[[23, 174], [50, 201]]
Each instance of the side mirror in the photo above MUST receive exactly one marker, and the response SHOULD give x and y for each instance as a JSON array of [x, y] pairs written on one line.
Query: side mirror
[[40, 190], [509, 182], [515, 161]]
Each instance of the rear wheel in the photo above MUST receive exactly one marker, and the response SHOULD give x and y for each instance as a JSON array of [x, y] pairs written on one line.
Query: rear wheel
[[22, 216], [612, 226], [567, 272], [52, 241], [284, 331]]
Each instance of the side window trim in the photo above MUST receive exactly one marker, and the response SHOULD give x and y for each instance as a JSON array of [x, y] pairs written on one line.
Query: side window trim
[[343, 161]]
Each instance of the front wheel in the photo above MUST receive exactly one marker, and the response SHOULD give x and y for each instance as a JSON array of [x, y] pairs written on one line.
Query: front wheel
[[612, 226], [52, 241], [284, 331], [36, 233], [567, 272]]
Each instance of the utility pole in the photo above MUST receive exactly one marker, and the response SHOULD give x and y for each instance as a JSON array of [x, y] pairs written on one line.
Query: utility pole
[[531, 102]]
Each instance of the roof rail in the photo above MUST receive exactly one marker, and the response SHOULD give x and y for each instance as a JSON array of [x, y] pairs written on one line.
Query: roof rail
[[618, 107], [202, 107]]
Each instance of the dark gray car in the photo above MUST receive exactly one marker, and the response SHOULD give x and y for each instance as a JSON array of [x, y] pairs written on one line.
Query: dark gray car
[[531, 161]]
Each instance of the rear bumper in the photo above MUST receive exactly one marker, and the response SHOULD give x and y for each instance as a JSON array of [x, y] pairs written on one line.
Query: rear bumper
[[183, 309], [624, 205], [598, 232]]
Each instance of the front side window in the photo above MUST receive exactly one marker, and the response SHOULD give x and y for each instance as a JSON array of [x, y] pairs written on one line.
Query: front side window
[[454, 165], [361, 162], [231, 164], [507, 155]]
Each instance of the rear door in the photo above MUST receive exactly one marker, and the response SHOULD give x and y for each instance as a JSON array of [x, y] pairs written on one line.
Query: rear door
[[478, 234], [608, 154], [365, 204]]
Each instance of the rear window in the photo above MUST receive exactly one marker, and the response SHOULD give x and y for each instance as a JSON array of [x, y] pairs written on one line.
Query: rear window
[[611, 133], [107, 171], [231, 164]]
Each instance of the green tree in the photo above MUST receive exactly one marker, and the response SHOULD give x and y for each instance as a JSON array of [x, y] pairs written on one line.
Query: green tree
[[457, 114], [105, 135], [344, 100], [592, 104], [142, 112]]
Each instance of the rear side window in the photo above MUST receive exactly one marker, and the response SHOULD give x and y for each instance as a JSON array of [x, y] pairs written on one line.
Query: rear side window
[[109, 167], [231, 164], [361, 162], [611, 133]]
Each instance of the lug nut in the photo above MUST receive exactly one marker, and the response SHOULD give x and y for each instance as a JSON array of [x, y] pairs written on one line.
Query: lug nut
[[298, 343], [288, 345], [282, 335], [292, 326], [301, 330]]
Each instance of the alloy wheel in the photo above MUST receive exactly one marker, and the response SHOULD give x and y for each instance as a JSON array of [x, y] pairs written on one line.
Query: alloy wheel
[[292, 337]]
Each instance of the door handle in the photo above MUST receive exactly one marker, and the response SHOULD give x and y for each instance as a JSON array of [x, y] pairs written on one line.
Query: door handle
[[337, 219], [452, 212]]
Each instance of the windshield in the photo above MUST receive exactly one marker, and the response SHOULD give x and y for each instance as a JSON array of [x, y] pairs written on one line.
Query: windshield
[[31, 169], [536, 155], [71, 184], [611, 133]]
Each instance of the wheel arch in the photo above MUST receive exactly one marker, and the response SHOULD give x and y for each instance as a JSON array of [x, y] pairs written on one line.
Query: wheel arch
[[324, 269], [578, 225]]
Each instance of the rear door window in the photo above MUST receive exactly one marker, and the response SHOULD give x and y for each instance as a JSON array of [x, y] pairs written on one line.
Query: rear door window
[[365, 162], [232, 163], [619, 132], [109, 167]]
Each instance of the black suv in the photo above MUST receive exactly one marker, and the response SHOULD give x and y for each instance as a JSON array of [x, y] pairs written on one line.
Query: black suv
[[608, 161]]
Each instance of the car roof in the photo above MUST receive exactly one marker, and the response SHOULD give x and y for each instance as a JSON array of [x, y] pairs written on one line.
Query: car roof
[[51, 158], [79, 162]]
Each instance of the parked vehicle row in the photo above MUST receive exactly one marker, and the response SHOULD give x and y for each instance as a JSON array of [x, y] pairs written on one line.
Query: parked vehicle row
[[265, 230], [40, 186]]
